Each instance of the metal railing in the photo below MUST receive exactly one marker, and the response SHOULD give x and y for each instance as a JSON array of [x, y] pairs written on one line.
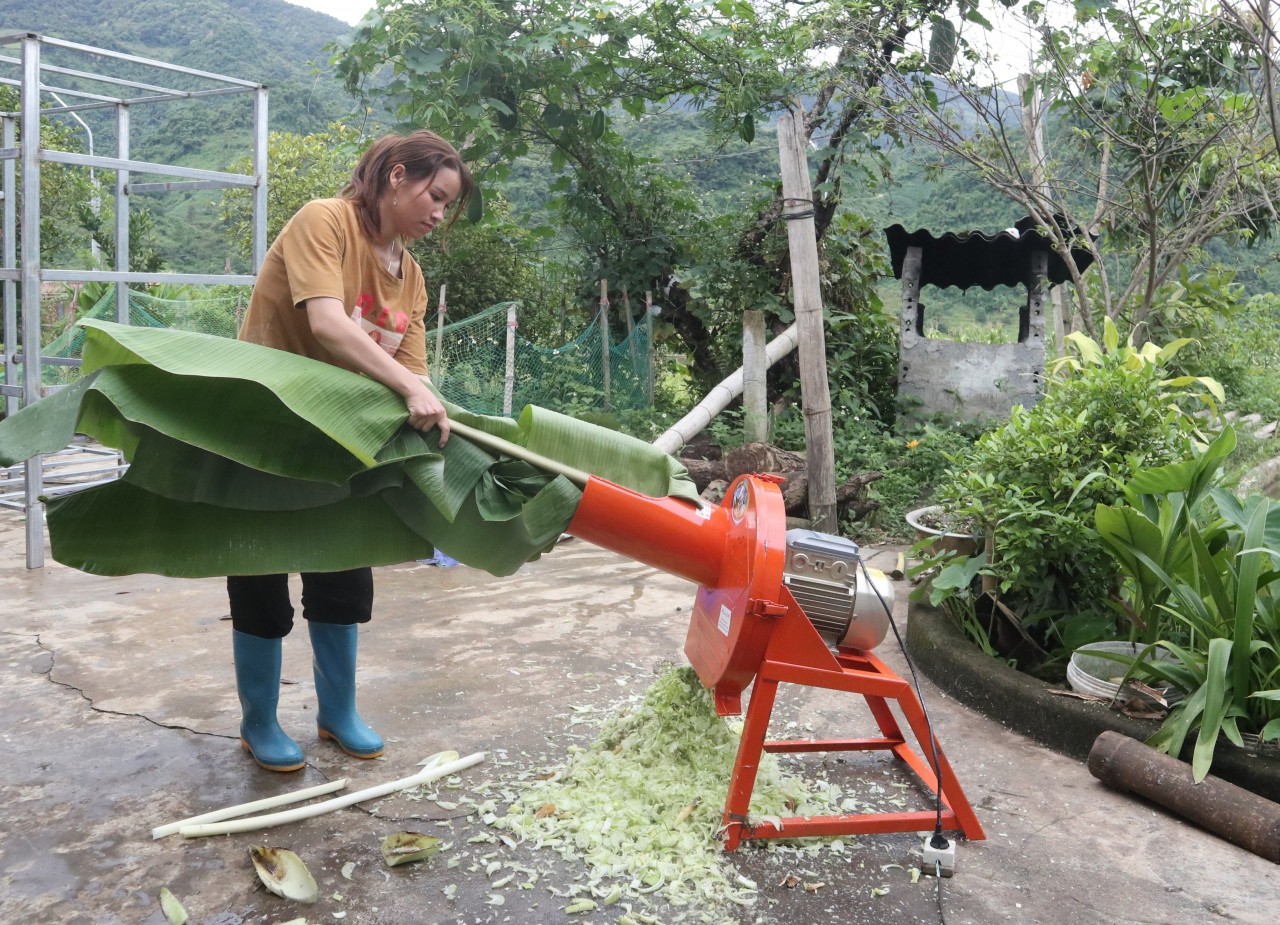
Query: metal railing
[[90, 88]]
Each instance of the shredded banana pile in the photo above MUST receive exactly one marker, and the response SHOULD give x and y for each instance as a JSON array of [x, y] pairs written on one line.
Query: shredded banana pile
[[642, 806]]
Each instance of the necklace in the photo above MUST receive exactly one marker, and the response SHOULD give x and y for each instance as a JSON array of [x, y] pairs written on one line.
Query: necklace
[[392, 256]]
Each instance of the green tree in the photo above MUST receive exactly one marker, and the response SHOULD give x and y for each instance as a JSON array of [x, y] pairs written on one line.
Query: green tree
[[144, 254], [1162, 145], [480, 263], [557, 77], [64, 189], [299, 168]]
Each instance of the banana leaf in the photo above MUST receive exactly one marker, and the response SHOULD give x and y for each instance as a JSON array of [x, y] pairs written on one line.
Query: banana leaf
[[249, 460]]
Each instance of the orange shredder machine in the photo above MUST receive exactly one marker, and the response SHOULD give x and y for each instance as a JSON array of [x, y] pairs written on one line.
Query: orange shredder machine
[[779, 607]]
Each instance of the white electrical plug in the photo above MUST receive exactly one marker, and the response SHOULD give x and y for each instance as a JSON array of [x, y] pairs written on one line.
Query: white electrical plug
[[938, 851]]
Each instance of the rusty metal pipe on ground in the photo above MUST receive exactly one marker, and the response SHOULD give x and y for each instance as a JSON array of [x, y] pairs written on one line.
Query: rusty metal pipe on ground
[[1230, 812]]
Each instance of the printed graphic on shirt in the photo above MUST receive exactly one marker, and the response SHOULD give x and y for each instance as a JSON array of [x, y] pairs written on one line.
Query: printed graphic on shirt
[[384, 327]]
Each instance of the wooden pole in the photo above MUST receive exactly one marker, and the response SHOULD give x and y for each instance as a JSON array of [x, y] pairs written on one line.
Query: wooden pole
[[754, 398], [631, 328], [435, 371], [815, 392], [648, 319], [509, 382], [1245, 819], [604, 338]]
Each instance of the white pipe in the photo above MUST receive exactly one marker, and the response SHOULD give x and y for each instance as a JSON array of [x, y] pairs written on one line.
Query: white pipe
[[689, 426], [244, 809], [425, 776]]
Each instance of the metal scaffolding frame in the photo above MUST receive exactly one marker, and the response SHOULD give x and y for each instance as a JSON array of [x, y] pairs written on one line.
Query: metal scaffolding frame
[[90, 90]]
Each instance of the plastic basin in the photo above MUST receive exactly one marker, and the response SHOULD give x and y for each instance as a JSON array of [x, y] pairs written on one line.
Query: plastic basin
[[1094, 674]]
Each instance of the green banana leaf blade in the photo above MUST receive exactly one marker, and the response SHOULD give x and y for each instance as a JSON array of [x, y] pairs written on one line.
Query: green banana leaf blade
[[120, 529], [247, 460]]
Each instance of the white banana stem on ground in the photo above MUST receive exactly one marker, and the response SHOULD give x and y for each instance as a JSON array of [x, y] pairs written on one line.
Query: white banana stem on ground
[[425, 776], [231, 812]]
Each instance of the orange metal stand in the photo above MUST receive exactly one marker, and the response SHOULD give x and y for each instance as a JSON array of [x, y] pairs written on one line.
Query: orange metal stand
[[747, 626], [791, 659]]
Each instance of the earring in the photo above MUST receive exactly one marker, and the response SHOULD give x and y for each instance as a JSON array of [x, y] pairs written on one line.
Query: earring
[[394, 200]]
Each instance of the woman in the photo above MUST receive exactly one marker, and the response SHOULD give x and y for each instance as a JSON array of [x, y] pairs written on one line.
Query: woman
[[338, 286]]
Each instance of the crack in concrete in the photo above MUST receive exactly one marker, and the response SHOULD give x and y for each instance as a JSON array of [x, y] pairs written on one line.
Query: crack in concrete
[[48, 675]]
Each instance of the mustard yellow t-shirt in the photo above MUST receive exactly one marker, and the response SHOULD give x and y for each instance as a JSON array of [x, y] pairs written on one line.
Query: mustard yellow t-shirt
[[323, 252]]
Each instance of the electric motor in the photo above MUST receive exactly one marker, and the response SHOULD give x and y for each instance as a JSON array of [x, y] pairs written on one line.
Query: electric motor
[[825, 576]]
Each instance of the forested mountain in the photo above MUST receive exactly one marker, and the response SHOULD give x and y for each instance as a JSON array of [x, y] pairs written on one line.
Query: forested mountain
[[283, 46], [264, 41]]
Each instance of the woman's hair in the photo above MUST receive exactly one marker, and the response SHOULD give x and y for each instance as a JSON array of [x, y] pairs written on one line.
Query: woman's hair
[[423, 154]]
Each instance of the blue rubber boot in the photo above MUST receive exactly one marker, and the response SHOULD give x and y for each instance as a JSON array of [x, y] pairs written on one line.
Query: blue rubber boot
[[333, 649], [258, 684]]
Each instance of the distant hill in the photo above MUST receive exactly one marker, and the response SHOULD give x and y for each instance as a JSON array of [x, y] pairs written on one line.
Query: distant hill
[[267, 41], [264, 41]]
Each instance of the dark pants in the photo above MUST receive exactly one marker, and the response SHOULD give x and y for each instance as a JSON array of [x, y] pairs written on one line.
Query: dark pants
[[260, 604]]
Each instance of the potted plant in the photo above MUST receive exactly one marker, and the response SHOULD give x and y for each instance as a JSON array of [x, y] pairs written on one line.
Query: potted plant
[[947, 534]]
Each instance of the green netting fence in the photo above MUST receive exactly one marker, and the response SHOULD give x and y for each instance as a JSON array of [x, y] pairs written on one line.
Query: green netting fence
[[477, 366], [207, 316], [481, 368]]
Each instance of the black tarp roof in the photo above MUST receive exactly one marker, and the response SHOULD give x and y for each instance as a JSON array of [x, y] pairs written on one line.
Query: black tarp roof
[[974, 258]]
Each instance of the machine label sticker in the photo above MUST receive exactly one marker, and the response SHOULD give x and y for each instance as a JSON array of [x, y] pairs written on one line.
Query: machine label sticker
[[739, 508], [726, 615]]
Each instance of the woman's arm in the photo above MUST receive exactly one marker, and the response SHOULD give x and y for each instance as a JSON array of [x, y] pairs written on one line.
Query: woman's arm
[[347, 342]]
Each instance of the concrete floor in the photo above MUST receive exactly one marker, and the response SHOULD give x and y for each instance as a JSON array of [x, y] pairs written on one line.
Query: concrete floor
[[120, 714]]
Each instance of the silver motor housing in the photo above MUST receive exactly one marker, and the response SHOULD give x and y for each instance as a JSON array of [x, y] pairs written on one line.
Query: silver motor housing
[[825, 577]]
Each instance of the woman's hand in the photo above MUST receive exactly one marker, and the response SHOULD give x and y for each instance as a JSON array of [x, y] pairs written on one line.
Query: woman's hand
[[338, 334], [427, 411]]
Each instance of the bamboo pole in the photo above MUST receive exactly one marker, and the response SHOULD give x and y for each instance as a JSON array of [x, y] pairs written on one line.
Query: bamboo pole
[[435, 372], [509, 381], [689, 426], [648, 319], [631, 342], [815, 391]]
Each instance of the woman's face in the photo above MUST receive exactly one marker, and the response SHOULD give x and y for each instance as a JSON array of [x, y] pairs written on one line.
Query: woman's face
[[420, 205]]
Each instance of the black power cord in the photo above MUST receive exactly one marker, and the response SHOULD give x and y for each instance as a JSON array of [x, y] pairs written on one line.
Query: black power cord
[[937, 840]]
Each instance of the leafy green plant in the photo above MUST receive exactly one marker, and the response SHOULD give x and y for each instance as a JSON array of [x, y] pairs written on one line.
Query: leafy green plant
[[952, 588], [1152, 534], [1108, 413], [1200, 570], [1241, 349]]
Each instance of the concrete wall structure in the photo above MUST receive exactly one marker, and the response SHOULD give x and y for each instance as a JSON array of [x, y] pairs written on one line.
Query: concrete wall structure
[[964, 380]]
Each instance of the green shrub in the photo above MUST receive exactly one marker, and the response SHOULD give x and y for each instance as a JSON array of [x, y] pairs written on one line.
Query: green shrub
[[1033, 482], [1236, 342]]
